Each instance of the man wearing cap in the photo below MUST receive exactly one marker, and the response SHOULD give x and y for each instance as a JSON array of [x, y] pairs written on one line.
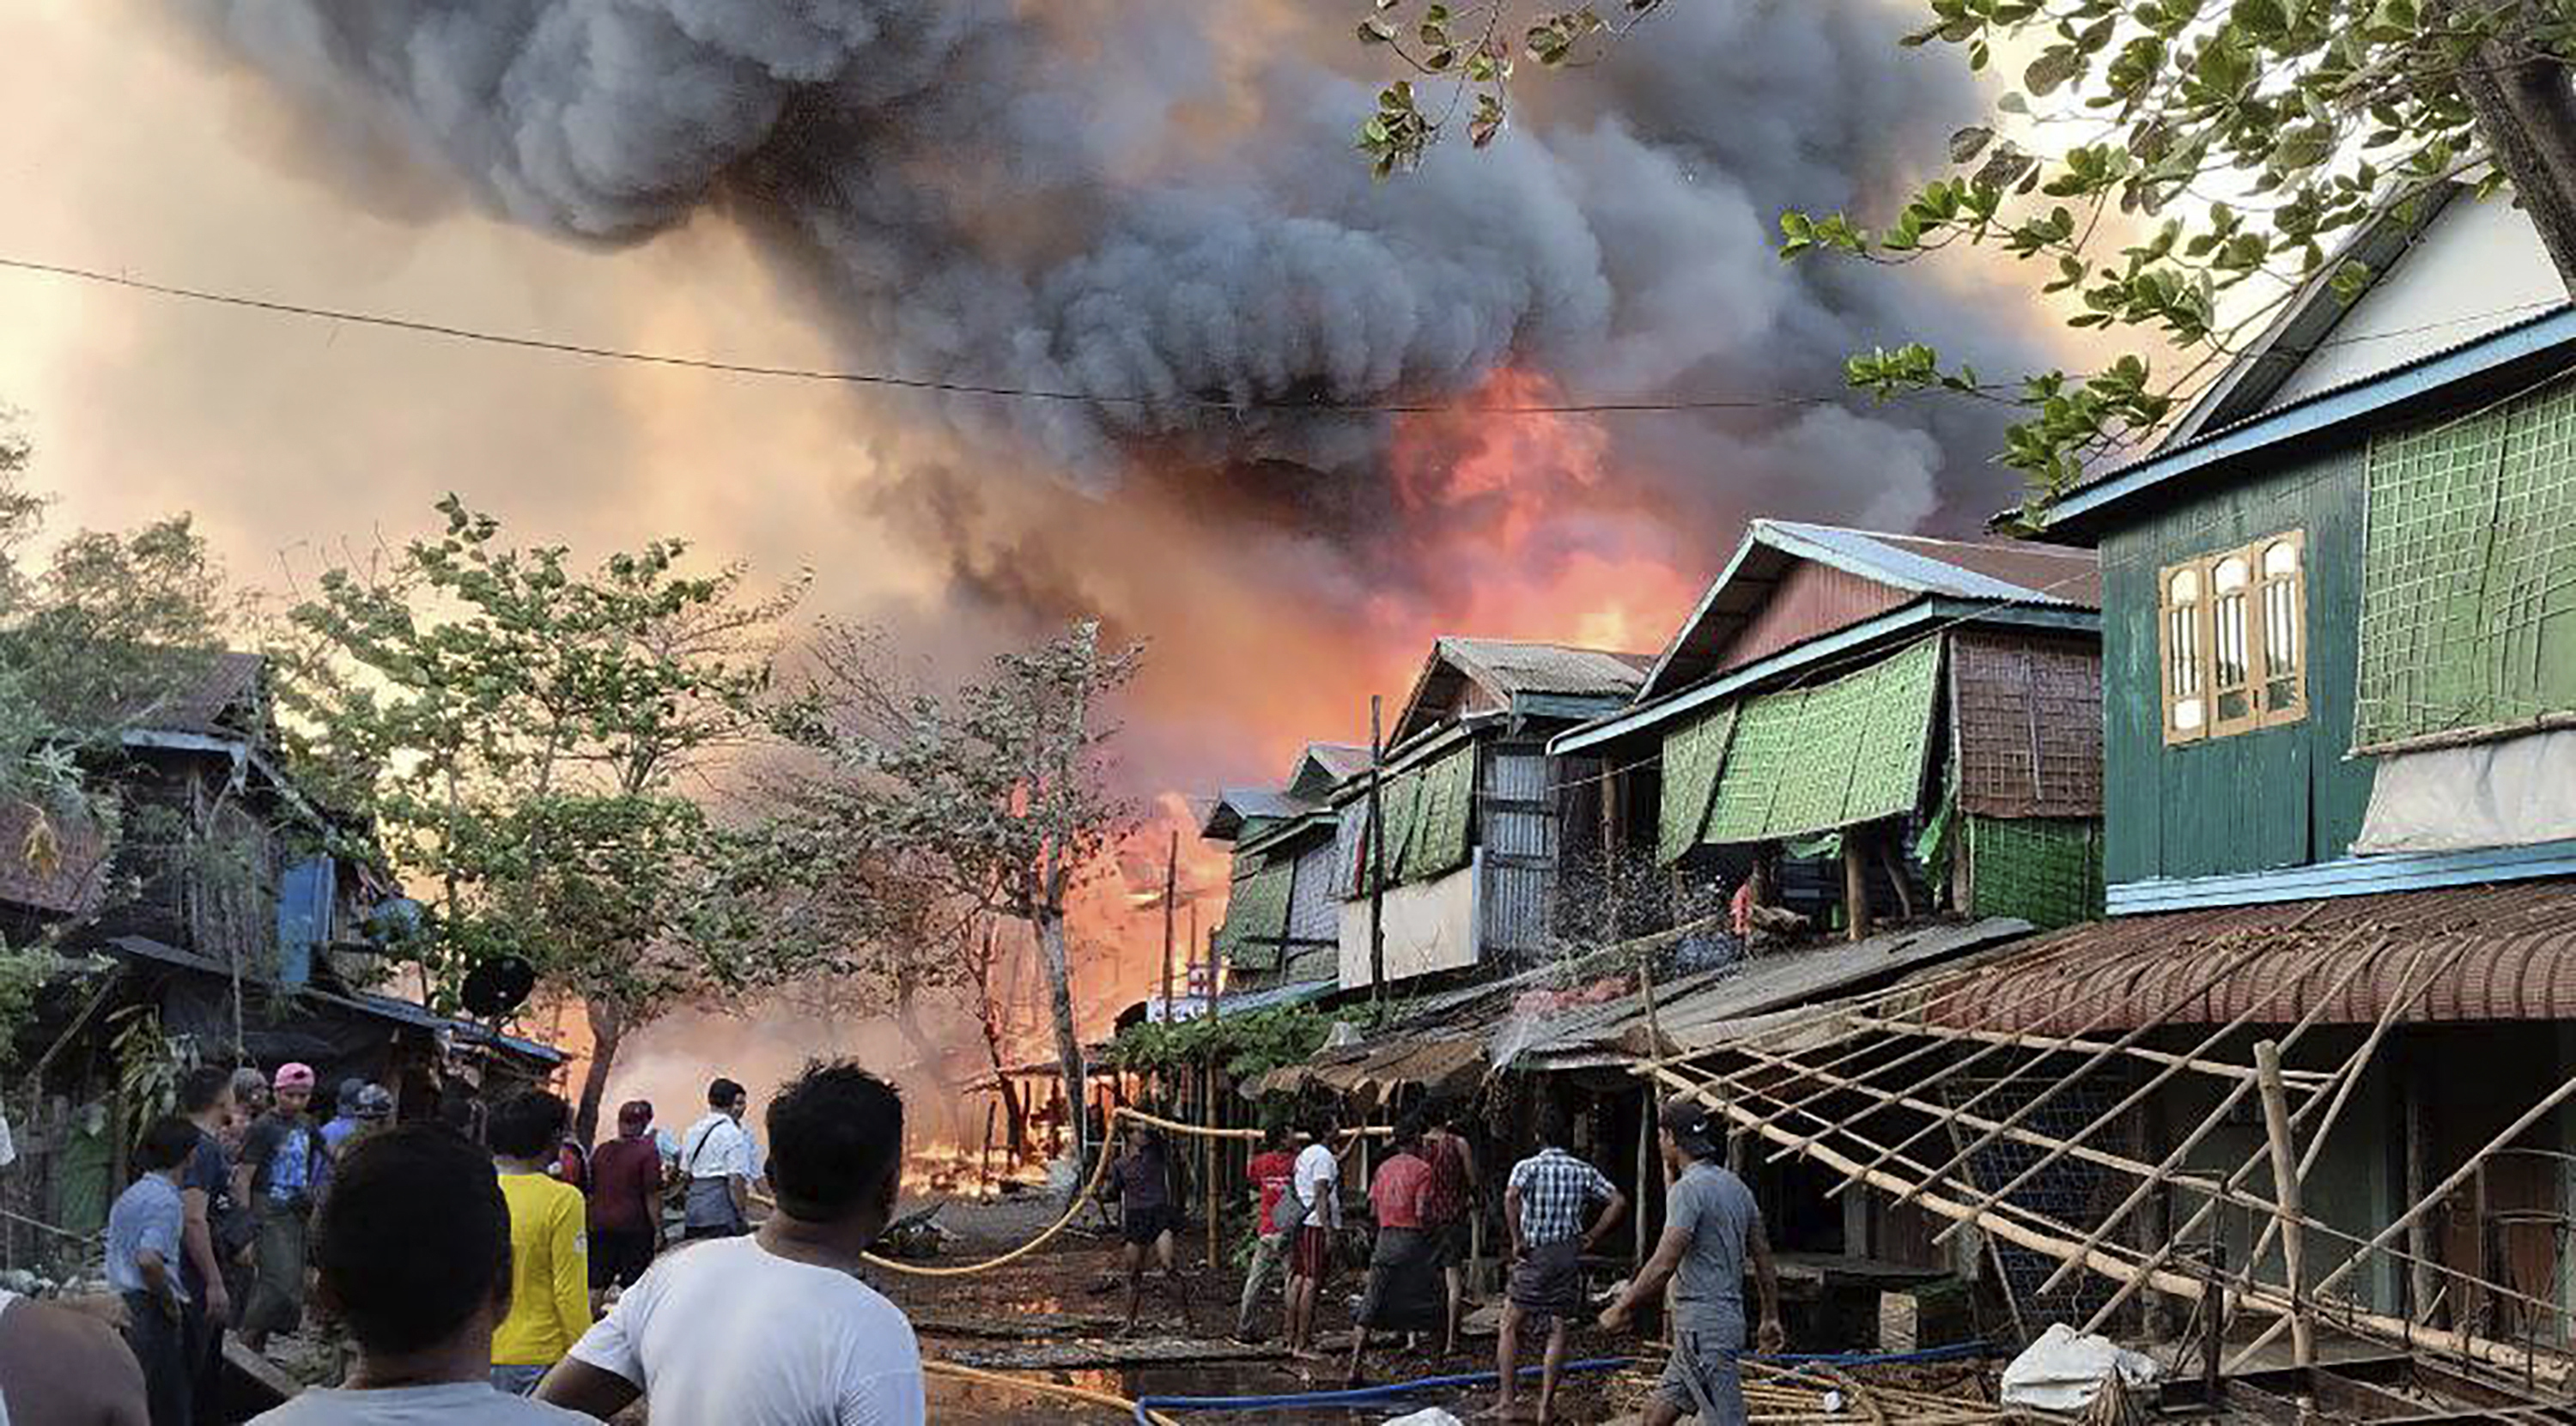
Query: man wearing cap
[[1710, 1226], [280, 1169], [625, 1201]]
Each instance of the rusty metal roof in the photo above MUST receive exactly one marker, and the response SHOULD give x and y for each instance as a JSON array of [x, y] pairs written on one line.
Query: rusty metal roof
[[2503, 953]]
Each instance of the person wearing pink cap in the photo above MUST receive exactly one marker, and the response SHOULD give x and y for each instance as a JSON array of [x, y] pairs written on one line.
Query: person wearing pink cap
[[281, 1166]]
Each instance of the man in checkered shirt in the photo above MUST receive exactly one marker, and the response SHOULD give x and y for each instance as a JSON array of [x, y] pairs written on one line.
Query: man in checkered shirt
[[1544, 1206]]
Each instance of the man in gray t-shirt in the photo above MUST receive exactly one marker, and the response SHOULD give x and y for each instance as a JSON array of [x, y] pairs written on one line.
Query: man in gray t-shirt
[[1711, 1226]]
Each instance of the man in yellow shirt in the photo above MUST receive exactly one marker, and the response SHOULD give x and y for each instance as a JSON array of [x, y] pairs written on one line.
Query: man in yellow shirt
[[549, 1254]]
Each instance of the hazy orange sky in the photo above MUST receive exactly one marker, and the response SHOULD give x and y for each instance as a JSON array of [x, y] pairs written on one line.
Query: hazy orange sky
[[127, 143]]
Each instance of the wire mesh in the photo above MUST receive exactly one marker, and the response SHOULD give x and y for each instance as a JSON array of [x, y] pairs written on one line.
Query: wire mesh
[[2468, 615]]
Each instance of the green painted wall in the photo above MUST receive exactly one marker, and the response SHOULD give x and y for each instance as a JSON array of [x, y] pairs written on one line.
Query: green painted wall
[[2273, 797]]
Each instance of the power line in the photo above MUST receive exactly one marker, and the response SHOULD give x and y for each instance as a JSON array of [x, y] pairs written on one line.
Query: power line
[[942, 386], [939, 386]]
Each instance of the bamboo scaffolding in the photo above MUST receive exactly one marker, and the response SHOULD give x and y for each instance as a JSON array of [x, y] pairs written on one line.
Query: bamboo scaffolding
[[2104, 1261], [2306, 1081], [2094, 1061], [2110, 1008], [2033, 989], [2440, 1191], [2174, 1157], [2349, 1075]]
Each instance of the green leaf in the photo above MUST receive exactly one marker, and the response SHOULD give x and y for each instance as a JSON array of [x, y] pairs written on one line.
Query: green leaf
[[2055, 65], [1967, 143]]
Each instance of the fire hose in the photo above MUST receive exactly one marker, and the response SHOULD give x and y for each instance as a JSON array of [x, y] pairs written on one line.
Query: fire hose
[[1073, 1206]]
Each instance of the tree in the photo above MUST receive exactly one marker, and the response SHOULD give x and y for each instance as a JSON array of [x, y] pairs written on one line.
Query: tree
[[997, 791], [2222, 151], [534, 742]]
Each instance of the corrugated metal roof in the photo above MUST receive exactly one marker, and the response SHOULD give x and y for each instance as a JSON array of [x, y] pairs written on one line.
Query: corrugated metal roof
[[2510, 952], [220, 682], [2016, 572], [1506, 669], [1341, 761], [1701, 1013]]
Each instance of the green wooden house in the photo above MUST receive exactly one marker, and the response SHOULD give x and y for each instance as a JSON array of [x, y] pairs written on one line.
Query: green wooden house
[[2339, 727]]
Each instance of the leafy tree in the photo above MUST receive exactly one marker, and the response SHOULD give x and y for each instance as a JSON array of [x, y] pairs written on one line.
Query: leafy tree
[[993, 797], [533, 742], [2216, 153]]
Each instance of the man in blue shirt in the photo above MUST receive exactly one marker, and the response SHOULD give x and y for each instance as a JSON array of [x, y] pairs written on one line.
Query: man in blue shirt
[[143, 1257]]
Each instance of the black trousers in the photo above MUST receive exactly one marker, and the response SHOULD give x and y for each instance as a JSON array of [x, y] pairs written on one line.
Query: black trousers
[[160, 1345]]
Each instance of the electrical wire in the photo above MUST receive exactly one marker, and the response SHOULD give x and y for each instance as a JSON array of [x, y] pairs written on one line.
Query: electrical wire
[[943, 386]]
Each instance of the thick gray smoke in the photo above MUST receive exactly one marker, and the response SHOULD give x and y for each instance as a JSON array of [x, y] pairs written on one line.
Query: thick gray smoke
[[1157, 199]]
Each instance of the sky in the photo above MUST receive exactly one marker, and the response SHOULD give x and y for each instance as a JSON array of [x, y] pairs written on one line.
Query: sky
[[1280, 575]]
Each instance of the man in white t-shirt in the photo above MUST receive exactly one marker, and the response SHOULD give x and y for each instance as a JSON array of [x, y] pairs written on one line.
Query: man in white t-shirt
[[1318, 1185], [721, 1164], [773, 1329]]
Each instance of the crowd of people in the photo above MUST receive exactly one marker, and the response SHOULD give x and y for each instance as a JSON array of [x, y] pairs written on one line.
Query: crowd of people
[[486, 1267], [1557, 1208]]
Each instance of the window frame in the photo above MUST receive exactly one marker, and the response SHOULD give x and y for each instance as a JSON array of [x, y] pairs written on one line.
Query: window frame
[[2252, 601]]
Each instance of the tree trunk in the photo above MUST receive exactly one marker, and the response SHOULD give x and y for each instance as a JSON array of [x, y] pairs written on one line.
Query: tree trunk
[[2526, 112], [607, 1028], [1014, 1113], [1049, 915], [907, 1023]]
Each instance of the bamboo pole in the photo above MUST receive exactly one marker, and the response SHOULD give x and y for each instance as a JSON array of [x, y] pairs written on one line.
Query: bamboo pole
[[2409, 991], [2303, 1080], [2108, 1264], [2440, 1191], [2285, 1192], [2112, 1006], [1373, 847], [2306, 1021]]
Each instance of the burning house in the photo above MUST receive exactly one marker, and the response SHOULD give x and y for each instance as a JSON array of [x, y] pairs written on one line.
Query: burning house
[[1282, 911]]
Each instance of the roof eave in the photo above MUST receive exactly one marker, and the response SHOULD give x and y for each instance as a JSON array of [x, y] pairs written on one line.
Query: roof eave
[[2084, 514]]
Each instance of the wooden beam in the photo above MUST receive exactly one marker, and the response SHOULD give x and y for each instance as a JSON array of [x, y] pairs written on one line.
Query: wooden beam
[[2309, 1081], [2104, 1262], [2285, 1193], [1855, 883]]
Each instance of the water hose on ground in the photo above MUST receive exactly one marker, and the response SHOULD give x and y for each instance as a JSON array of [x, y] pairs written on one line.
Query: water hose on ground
[[951, 1370], [1072, 1208], [1360, 1396]]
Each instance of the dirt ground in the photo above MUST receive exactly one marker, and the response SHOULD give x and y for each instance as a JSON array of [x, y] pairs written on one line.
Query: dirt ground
[[1078, 1276]]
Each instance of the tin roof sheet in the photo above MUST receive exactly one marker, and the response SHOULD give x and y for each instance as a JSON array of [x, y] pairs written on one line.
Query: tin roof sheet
[[2503, 953]]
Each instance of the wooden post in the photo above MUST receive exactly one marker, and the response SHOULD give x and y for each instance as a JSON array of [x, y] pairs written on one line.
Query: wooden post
[[2285, 1194], [2419, 1233], [1216, 1156], [1645, 1169], [1171, 889], [1855, 884], [1374, 848], [984, 1164]]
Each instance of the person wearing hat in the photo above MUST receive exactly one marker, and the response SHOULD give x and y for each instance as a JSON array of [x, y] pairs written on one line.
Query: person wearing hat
[[1711, 1225], [280, 1170], [625, 1201]]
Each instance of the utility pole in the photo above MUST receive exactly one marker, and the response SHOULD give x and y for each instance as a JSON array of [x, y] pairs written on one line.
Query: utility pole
[[1171, 884], [1376, 852]]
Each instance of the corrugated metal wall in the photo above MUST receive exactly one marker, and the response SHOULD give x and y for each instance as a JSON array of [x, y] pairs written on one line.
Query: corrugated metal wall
[[1516, 814], [1314, 900]]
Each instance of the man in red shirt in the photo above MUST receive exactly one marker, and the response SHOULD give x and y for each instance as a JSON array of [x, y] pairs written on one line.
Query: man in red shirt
[[1268, 1175], [1403, 1292], [1447, 1212], [625, 1201]]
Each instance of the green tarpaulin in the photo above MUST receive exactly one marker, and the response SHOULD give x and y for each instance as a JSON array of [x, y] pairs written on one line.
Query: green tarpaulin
[[1256, 916], [2468, 605], [1809, 760], [2045, 870], [1441, 810], [1693, 756]]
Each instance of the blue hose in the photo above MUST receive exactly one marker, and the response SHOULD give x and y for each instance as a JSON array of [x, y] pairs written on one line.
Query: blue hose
[[1361, 1396]]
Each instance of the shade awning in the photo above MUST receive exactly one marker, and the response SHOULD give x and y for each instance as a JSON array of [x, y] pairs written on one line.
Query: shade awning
[[2479, 953]]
